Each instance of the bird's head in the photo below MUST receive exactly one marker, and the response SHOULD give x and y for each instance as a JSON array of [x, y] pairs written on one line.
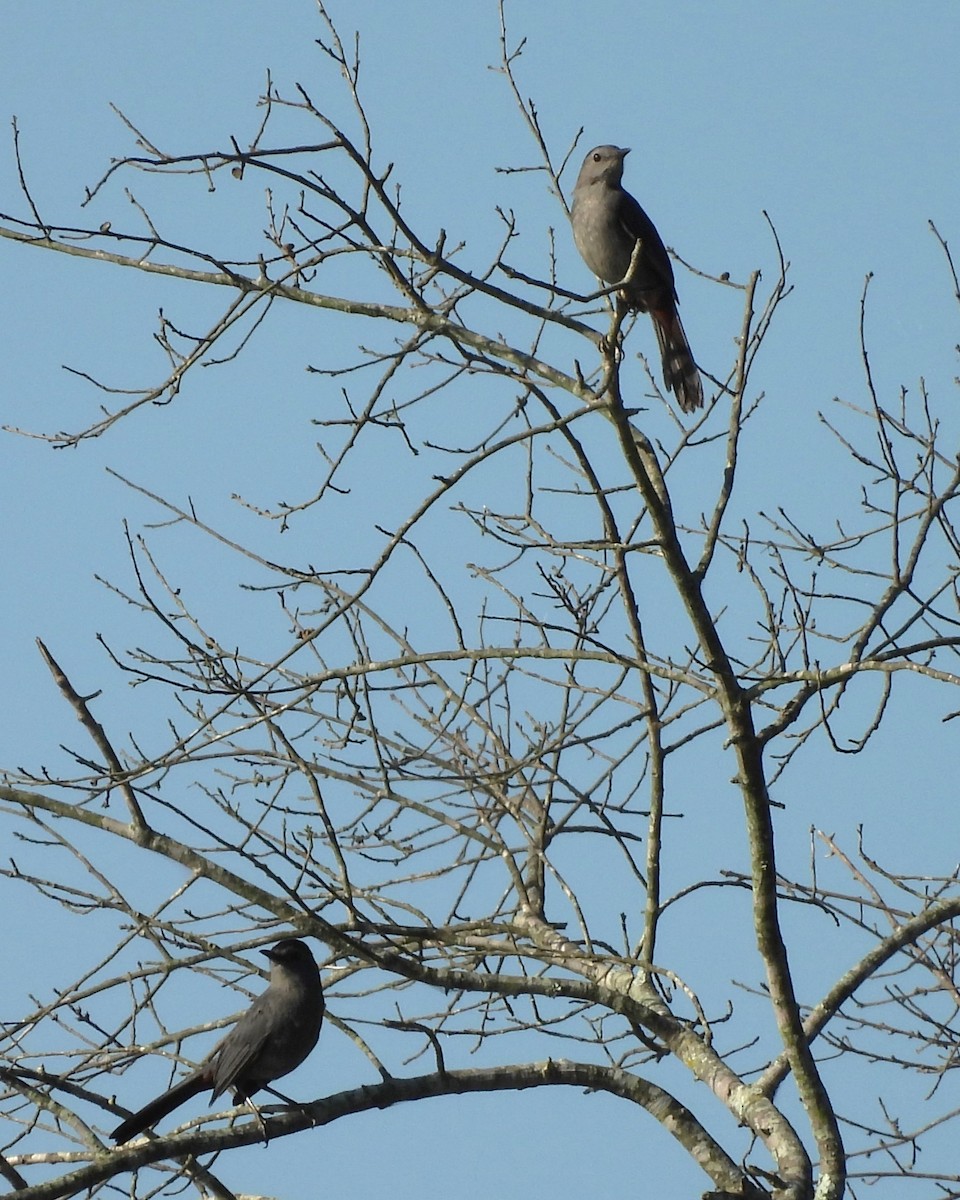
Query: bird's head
[[290, 952], [603, 165]]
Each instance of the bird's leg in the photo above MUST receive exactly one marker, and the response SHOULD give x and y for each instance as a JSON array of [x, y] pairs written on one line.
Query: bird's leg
[[260, 1121], [241, 1098], [611, 344]]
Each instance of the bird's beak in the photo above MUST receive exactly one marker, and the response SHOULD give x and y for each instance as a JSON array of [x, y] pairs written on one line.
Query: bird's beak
[[624, 151], [269, 953]]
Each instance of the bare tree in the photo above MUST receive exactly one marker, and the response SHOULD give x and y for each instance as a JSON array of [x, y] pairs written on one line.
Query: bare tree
[[462, 755]]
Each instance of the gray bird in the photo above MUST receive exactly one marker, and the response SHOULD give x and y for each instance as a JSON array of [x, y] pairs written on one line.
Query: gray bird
[[607, 224], [272, 1037]]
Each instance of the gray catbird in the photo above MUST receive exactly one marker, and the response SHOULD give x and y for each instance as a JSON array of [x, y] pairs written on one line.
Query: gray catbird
[[607, 224], [272, 1037]]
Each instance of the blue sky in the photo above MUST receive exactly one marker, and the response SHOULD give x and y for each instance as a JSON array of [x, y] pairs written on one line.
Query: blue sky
[[839, 121]]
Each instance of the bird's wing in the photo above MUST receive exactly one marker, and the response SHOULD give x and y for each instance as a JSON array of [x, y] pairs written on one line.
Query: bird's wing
[[655, 257], [240, 1049]]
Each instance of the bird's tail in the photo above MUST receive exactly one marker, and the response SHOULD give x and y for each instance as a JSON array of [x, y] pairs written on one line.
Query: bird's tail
[[680, 372], [157, 1109]]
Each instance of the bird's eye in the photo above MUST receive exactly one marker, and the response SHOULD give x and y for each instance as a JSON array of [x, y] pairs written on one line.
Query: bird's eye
[[596, 158]]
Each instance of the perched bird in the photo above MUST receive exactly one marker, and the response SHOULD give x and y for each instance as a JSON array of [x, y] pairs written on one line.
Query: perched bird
[[607, 224], [272, 1037]]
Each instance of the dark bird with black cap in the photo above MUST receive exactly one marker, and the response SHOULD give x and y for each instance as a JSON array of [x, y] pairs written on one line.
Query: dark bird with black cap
[[272, 1038], [607, 225]]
